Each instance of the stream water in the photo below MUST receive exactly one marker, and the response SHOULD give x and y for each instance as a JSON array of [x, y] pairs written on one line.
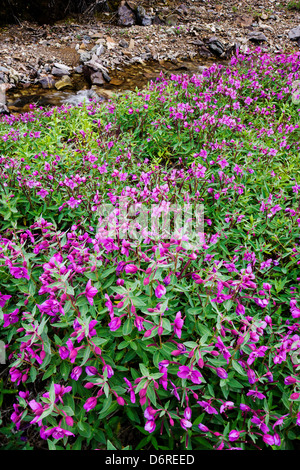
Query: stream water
[[130, 78]]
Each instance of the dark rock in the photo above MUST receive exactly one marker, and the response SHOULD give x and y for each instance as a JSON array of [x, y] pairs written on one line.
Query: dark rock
[[126, 16], [124, 43], [157, 20], [204, 52], [47, 82], [142, 18], [215, 46], [106, 76]]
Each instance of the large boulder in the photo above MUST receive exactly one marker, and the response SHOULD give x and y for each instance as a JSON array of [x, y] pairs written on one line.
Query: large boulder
[[126, 16]]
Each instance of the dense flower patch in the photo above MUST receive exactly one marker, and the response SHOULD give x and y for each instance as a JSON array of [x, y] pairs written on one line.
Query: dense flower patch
[[195, 348]]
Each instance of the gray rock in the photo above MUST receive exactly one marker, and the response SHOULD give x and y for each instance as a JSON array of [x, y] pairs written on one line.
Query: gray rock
[[4, 69], [100, 50], [106, 76], [257, 36], [59, 72], [126, 17], [78, 69], [142, 18], [47, 82], [294, 33], [3, 107], [85, 56], [97, 78], [124, 43]]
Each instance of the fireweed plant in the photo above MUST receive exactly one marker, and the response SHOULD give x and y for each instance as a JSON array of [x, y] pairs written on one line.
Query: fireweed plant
[[192, 349]]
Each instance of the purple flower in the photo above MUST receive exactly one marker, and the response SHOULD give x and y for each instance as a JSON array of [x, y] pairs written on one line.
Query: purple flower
[[90, 292], [10, 318], [90, 403], [130, 390], [91, 370], [115, 324], [207, 407], [16, 416], [178, 324], [64, 352], [109, 370], [233, 435], [3, 299], [221, 373], [130, 268], [251, 376], [60, 390], [160, 291], [192, 374], [76, 373], [185, 424], [37, 409], [150, 425], [268, 439], [203, 428], [256, 394], [58, 433], [19, 272]]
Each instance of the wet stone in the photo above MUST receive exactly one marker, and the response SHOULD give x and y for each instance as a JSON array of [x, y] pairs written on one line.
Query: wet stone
[[47, 82], [97, 78]]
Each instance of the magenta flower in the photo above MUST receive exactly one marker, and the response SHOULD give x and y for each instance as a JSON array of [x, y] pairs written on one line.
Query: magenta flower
[[10, 318], [64, 352], [16, 416], [76, 373], [185, 424], [192, 374], [38, 410], [208, 408], [90, 403], [203, 428], [115, 324], [233, 435], [91, 370], [130, 390], [256, 394], [160, 291], [178, 324], [60, 390], [150, 425], [90, 292], [3, 299], [130, 269], [221, 373], [19, 272], [268, 439], [57, 433], [109, 369]]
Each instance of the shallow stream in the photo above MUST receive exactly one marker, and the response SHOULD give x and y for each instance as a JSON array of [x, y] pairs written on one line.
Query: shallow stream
[[130, 78]]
